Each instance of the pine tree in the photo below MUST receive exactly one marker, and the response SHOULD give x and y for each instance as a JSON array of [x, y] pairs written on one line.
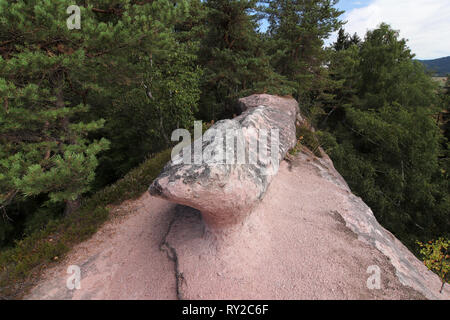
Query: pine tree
[[385, 139], [50, 75], [233, 56], [344, 80], [125, 65], [191, 28], [44, 145], [163, 97], [344, 40], [152, 87], [388, 72], [297, 30], [355, 39], [444, 123]]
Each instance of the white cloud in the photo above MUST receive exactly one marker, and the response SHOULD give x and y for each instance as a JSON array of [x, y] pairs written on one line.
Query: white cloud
[[425, 23]]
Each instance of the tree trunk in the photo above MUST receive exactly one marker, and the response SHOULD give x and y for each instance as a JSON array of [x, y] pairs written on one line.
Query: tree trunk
[[72, 206], [161, 126]]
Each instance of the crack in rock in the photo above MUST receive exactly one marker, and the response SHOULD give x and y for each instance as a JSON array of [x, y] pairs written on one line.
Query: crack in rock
[[173, 256]]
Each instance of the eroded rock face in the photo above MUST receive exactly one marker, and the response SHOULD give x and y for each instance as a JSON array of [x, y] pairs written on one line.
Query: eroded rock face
[[233, 177]]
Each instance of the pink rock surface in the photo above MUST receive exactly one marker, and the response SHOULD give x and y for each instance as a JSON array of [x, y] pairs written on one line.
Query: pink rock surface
[[309, 238], [121, 261]]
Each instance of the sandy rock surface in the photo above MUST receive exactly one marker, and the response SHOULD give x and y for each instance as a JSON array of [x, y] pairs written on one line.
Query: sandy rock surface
[[309, 238]]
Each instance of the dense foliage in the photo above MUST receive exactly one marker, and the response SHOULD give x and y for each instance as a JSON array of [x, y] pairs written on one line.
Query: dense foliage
[[122, 82], [81, 108], [436, 255], [381, 128]]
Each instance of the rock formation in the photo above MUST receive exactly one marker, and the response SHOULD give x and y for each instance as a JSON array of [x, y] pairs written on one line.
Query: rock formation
[[227, 191], [307, 237]]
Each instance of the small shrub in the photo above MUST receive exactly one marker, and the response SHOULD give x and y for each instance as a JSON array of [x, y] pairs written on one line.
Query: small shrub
[[306, 137], [436, 257]]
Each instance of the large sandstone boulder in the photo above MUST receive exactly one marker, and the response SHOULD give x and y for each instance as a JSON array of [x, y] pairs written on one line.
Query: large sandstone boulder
[[233, 177]]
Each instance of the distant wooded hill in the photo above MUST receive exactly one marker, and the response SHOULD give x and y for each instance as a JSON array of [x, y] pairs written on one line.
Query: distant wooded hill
[[441, 66]]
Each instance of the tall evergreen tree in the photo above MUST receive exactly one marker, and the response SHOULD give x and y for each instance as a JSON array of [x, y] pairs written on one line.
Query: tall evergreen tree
[[344, 41], [446, 110], [388, 72], [298, 29], [444, 123], [233, 57], [44, 145], [385, 138], [57, 85], [152, 88]]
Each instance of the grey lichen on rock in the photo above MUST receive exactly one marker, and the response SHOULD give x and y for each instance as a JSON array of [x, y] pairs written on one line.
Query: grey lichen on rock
[[225, 191]]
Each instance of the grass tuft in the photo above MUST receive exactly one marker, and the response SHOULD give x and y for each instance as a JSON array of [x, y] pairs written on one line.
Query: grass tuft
[[306, 137]]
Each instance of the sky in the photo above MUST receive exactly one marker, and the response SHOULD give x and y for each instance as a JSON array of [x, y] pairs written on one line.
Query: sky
[[424, 23]]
